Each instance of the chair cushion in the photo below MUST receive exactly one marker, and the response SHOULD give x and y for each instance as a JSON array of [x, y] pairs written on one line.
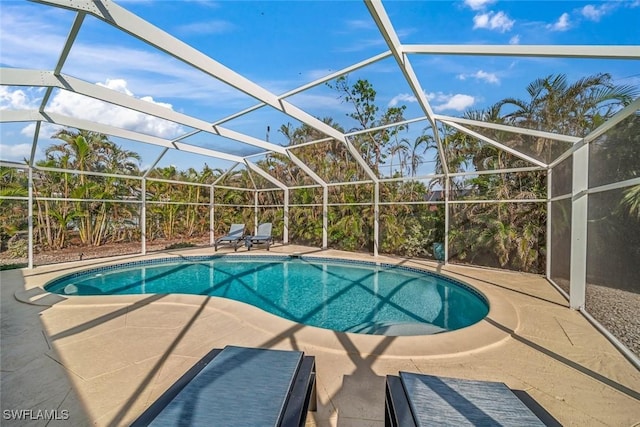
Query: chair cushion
[[239, 387], [458, 402]]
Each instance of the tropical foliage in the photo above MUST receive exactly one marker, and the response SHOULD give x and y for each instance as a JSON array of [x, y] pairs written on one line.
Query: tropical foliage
[[89, 191]]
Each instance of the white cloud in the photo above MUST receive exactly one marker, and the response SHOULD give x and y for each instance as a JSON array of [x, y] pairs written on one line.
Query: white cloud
[[403, 97], [319, 105], [481, 75], [439, 101], [41, 34], [316, 74], [16, 152], [562, 24], [17, 99], [493, 21], [478, 4], [360, 24], [86, 108], [119, 85], [215, 26], [457, 102], [83, 107], [515, 39], [594, 13]]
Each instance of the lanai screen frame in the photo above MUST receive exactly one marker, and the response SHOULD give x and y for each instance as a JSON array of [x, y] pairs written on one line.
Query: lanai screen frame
[[128, 22]]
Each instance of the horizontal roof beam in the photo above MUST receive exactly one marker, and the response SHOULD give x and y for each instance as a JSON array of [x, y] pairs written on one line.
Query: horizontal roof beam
[[304, 87], [565, 51], [512, 129], [129, 22], [496, 144], [38, 78], [62, 120]]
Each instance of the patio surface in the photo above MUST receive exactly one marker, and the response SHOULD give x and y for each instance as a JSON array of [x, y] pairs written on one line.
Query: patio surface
[[105, 359]]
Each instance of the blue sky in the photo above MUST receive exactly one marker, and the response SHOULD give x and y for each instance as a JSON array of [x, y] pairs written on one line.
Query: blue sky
[[281, 45]]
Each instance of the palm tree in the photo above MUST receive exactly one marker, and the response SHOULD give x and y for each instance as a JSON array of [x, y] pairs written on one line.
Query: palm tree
[[575, 109]]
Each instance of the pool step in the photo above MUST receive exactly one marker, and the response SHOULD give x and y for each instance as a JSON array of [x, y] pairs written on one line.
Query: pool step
[[396, 329]]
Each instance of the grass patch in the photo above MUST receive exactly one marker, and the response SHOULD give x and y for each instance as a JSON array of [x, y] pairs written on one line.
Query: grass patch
[[180, 245], [13, 266]]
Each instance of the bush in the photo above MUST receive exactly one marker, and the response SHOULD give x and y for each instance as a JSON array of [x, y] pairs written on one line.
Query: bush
[[17, 247], [180, 245]]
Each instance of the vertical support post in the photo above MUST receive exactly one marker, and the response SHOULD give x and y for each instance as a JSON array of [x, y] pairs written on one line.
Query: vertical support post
[[579, 215], [447, 187], [212, 218], [30, 218], [376, 218], [255, 212], [325, 217], [143, 216], [548, 242], [285, 219]]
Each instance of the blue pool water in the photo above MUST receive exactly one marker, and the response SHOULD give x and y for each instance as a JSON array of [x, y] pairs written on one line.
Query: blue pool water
[[345, 296]]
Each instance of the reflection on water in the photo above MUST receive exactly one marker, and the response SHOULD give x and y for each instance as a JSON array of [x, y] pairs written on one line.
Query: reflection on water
[[348, 297]]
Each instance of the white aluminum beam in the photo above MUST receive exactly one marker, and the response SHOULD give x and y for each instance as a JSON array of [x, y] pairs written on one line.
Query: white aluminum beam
[[325, 217], [379, 15], [615, 185], [143, 218], [302, 88], [59, 119], [30, 220], [566, 51], [12, 164], [34, 144], [255, 168], [302, 165], [37, 78], [128, 22], [71, 38], [549, 242], [579, 220], [285, 218], [383, 22], [512, 129], [620, 116], [358, 158], [376, 219], [387, 126], [495, 144], [212, 216], [155, 163]]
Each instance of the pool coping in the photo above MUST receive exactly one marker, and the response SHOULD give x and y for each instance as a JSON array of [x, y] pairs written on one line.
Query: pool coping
[[478, 336]]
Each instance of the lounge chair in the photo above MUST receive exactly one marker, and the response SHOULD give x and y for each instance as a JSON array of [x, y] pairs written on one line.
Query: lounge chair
[[235, 236], [426, 400], [263, 236], [239, 386]]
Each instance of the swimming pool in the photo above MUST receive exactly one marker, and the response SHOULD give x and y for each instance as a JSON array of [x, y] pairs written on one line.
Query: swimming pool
[[342, 295]]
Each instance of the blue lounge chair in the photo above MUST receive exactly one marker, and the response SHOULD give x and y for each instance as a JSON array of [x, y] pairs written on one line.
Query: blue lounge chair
[[235, 236], [426, 400], [262, 236], [239, 386]]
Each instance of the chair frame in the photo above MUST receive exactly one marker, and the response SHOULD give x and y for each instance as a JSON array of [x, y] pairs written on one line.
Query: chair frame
[[230, 239], [260, 238]]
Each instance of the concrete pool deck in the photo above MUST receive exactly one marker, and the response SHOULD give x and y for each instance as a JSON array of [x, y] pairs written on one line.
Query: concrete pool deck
[[105, 359]]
